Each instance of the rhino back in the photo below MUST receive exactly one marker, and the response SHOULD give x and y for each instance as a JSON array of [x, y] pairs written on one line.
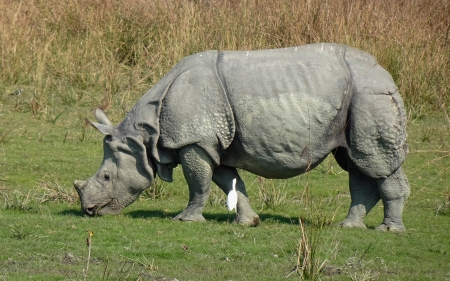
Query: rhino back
[[290, 107]]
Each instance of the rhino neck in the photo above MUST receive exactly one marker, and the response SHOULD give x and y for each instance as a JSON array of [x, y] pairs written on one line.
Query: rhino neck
[[143, 119], [142, 122], [128, 127]]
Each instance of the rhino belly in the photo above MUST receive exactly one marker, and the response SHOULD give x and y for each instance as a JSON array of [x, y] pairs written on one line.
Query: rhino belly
[[284, 136], [276, 165]]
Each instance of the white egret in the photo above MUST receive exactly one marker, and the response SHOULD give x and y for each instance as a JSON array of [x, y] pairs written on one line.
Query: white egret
[[232, 197]]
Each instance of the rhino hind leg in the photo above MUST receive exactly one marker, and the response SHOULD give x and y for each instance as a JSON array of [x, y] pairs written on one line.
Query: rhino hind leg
[[223, 177], [198, 170], [364, 195], [367, 191], [394, 191]]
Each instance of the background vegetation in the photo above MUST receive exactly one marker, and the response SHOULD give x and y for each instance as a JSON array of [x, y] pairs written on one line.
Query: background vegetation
[[82, 52], [72, 56]]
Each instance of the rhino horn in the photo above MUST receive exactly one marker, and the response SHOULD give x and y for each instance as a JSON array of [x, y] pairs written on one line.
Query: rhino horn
[[79, 186]]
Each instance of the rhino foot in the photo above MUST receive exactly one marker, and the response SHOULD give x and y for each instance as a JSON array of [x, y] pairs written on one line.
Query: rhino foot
[[245, 214], [248, 221], [352, 224], [391, 227], [187, 216]]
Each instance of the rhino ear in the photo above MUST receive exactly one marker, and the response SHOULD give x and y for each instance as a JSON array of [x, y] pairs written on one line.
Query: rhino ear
[[105, 126], [102, 118], [105, 129]]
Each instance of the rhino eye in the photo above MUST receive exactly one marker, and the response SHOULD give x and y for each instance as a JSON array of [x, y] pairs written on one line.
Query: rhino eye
[[108, 138], [106, 177]]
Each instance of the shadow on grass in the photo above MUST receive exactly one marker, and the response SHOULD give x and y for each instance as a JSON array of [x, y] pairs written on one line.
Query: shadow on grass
[[211, 217], [278, 219], [222, 217], [150, 214], [218, 217], [72, 212]]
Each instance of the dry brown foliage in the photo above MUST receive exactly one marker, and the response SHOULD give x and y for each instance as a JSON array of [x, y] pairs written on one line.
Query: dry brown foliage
[[111, 51]]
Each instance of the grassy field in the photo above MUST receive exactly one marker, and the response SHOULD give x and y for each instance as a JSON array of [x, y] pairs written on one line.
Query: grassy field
[[70, 57]]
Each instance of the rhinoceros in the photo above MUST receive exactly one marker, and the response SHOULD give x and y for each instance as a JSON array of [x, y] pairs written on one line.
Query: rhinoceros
[[275, 113]]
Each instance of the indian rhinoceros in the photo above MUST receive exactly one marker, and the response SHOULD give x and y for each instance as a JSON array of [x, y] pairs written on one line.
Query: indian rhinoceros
[[275, 113]]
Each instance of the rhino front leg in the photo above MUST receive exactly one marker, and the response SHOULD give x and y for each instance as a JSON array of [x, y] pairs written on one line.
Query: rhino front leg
[[197, 169], [364, 194], [394, 191], [223, 176]]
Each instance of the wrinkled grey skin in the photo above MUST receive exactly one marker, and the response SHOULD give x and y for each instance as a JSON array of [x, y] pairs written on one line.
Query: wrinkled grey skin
[[276, 113]]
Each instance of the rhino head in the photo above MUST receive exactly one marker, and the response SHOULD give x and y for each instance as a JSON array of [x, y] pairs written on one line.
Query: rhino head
[[124, 173]]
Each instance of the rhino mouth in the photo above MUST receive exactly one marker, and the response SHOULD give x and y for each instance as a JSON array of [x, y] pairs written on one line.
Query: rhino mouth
[[95, 209]]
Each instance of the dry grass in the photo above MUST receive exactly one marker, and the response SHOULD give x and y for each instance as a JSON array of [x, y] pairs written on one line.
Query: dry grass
[[16, 200], [109, 52], [53, 191], [271, 194], [47, 191], [5, 130], [359, 269], [312, 253], [443, 207]]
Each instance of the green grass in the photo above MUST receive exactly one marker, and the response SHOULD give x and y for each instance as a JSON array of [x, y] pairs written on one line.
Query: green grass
[[47, 239], [72, 57]]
